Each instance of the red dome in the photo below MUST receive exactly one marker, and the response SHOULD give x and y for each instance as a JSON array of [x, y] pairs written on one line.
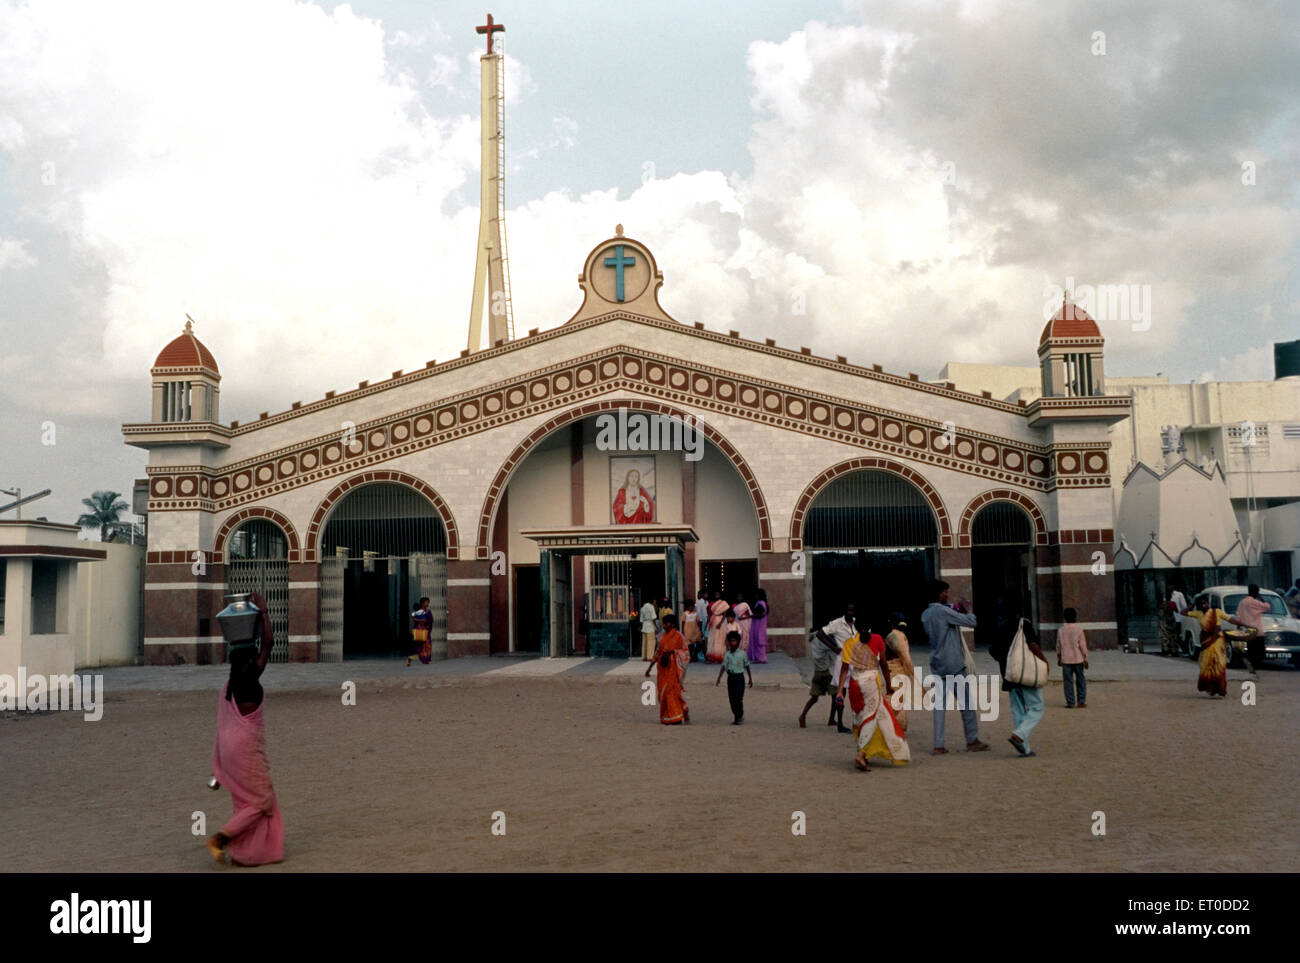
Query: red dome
[[186, 351], [1070, 321]]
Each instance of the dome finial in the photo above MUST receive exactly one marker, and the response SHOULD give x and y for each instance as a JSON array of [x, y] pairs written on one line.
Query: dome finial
[[618, 230], [189, 324]]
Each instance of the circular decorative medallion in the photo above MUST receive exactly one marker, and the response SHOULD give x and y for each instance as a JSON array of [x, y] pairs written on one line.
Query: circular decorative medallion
[[1012, 460], [562, 382], [377, 439], [468, 411], [892, 430], [186, 486], [219, 488], [1069, 463], [632, 369], [655, 373], [493, 403], [1036, 465], [445, 419], [423, 425], [796, 408], [242, 481], [309, 460], [1096, 462], [964, 448], [772, 401], [749, 396], [264, 473], [868, 425], [609, 369], [539, 389], [516, 396], [332, 454], [725, 390], [585, 376], [915, 436], [203, 487], [678, 379], [162, 487], [988, 454], [356, 446], [819, 413], [702, 385], [400, 432], [287, 467], [843, 419]]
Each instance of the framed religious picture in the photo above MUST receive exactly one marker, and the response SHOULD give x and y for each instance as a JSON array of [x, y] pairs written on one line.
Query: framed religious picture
[[632, 489]]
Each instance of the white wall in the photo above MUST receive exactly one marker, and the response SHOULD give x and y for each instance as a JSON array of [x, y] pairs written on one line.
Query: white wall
[[108, 603]]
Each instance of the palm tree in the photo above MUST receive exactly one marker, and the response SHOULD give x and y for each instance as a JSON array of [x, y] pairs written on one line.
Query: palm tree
[[104, 510]]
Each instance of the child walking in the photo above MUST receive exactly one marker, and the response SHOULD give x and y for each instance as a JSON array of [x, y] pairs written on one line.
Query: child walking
[[1072, 657], [735, 663]]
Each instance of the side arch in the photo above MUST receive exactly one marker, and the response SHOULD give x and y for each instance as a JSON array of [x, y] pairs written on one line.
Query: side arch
[[233, 521], [1001, 495], [365, 478], [502, 478], [815, 487]]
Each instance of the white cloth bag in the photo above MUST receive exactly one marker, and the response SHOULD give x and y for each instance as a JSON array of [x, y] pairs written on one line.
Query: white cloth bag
[[1023, 667]]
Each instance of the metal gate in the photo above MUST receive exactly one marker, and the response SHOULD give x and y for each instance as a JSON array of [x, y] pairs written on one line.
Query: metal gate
[[269, 577], [331, 608], [427, 575]]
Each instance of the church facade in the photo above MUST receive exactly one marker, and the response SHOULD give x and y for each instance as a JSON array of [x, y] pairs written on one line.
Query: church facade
[[538, 491]]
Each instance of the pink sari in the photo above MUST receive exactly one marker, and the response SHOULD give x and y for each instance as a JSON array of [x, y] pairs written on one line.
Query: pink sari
[[239, 762], [742, 609], [717, 634]]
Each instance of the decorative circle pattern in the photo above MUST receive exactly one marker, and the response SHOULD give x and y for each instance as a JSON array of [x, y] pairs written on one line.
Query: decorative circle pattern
[[892, 430], [287, 466], [1069, 463], [186, 486], [725, 390], [309, 460], [916, 436], [1095, 462], [264, 473], [820, 413]]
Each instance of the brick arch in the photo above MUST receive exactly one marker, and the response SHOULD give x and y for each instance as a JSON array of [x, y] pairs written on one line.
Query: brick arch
[[1001, 495], [367, 478], [815, 487], [233, 522], [517, 456]]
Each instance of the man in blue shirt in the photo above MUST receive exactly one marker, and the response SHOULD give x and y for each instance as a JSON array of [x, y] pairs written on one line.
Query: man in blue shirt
[[943, 624]]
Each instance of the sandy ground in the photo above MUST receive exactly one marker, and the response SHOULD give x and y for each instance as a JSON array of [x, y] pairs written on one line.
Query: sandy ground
[[408, 779]]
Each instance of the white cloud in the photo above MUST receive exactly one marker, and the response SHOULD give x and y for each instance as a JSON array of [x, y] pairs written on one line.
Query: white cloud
[[13, 254]]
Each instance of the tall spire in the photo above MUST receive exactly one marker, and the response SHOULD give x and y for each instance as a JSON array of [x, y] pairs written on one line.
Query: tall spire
[[492, 267]]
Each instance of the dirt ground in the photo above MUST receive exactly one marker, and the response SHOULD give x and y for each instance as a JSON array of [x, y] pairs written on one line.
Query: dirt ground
[[408, 779]]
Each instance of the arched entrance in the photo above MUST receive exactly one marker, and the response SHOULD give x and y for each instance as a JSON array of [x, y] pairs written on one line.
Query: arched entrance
[[382, 547], [870, 537], [571, 475], [1002, 568], [257, 560]]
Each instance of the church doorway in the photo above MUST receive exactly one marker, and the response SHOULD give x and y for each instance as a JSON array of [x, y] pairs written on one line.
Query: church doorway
[[383, 548], [1002, 569], [528, 608], [258, 561], [872, 540]]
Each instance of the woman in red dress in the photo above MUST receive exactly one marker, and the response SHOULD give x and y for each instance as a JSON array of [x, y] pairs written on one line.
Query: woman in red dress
[[633, 504]]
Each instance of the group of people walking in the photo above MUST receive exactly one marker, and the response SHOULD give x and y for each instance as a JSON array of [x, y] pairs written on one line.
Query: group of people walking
[[708, 623]]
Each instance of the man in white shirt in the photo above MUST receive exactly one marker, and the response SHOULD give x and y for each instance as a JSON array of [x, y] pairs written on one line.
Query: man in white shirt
[[702, 614], [825, 646], [649, 621]]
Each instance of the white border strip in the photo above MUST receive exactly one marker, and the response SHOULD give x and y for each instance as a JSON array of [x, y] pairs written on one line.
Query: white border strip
[[1083, 625], [777, 576], [469, 636], [787, 632], [468, 581]]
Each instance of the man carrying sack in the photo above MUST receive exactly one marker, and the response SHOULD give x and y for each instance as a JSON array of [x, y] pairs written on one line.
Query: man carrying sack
[[1024, 672]]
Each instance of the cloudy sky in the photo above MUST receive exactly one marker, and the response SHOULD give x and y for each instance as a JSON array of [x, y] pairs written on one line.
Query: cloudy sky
[[301, 178]]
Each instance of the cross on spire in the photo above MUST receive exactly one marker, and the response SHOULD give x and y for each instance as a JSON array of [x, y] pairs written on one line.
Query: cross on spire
[[490, 28]]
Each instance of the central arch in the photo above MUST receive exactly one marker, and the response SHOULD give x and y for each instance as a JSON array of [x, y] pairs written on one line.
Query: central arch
[[542, 431], [861, 464]]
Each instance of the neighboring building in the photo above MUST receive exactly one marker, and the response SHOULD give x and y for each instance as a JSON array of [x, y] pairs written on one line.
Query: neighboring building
[[1242, 436], [483, 482]]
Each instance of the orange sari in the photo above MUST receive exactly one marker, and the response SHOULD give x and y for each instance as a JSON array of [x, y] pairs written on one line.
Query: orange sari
[[1213, 660], [672, 701]]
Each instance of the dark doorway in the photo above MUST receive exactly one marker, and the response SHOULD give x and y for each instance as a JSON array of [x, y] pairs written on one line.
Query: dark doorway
[[730, 577], [1002, 570], [877, 582], [376, 607], [648, 582], [528, 608]]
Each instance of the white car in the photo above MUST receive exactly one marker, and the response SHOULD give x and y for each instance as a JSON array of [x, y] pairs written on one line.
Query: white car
[[1281, 631]]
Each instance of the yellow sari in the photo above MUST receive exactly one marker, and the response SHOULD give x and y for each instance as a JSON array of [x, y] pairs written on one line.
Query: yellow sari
[[1213, 661], [875, 726]]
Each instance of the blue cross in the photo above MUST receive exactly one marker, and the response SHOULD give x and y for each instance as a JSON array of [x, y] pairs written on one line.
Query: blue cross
[[618, 262]]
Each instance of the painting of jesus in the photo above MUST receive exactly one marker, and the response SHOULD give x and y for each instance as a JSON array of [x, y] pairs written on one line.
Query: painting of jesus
[[632, 481]]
